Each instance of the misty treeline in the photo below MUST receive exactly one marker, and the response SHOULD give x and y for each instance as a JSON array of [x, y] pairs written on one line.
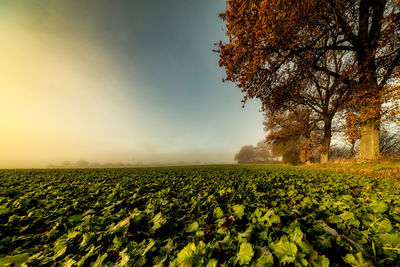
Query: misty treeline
[[318, 68], [88, 164], [261, 153]]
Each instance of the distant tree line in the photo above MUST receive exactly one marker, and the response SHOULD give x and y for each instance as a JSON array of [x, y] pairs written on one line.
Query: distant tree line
[[261, 153], [87, 164]]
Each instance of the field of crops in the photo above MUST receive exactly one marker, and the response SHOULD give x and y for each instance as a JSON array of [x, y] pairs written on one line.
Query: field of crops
[[197, 216]]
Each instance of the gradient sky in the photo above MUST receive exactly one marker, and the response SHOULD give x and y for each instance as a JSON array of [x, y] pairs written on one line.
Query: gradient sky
[[110, 81]]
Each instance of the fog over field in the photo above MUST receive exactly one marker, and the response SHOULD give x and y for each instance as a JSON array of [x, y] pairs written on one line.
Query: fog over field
[[127, 81]]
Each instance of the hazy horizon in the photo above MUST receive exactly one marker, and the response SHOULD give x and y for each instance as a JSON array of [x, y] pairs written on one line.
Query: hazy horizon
[[121, 81]]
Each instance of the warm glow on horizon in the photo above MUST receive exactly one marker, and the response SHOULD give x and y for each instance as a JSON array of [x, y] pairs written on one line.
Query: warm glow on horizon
[[52, 100], [66, 94]]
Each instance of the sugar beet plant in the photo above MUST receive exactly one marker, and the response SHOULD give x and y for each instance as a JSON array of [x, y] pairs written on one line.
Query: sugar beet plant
[[197, 216]]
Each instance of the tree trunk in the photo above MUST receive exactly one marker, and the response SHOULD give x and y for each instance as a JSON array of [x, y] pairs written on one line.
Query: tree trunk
[[324, 158], [370, 105], [326, 142], [369, 142], [371, 113]]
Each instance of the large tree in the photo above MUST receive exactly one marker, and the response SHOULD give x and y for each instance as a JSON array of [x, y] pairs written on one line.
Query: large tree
[[273, 45], [322, 93]]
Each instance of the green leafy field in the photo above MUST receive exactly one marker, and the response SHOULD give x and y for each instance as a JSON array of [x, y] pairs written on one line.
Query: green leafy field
[[197, 216]]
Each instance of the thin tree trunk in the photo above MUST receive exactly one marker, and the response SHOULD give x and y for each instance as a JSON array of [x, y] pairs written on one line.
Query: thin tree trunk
[[326, 142], [353, 143]]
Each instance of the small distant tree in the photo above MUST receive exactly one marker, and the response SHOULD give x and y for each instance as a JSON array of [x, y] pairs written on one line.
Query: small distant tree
[[82, 164], [66, 164], [246, 154], [250, 154], [262, 152]]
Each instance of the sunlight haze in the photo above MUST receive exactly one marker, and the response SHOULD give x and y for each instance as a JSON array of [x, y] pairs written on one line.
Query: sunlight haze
[[106, 82]]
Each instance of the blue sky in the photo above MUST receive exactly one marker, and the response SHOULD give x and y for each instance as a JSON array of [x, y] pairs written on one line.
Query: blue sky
[[127, 81]]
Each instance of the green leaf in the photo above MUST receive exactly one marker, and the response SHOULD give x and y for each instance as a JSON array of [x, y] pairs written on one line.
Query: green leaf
[[227, 239], [4, 211], [389, 240], [218, 212], [245, 235], [296, 236], [238, 210], [383, 226], [266, 260], [60, 253], [378, 206], [158, 221], [357, 261], [125, 258], [75, 218], [15, 259], [191, 255], [285, 250], [161, 262], [212, 263], [86, 238], [73, 234], [270, 217], [322, 261], [200, 233], [99, 261], [347, 215], [24, 228], [245, 254], [149, 246], [72, 262], [256, 216], [192, 227], [222, 231], [336, 218]]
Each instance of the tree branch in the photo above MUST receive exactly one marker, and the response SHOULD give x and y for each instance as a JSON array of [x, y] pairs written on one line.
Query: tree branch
[[392, 66], [342, 22]]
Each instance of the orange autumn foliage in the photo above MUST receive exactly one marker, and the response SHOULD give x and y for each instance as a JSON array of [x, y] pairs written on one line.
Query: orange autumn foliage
[[274, 47]]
